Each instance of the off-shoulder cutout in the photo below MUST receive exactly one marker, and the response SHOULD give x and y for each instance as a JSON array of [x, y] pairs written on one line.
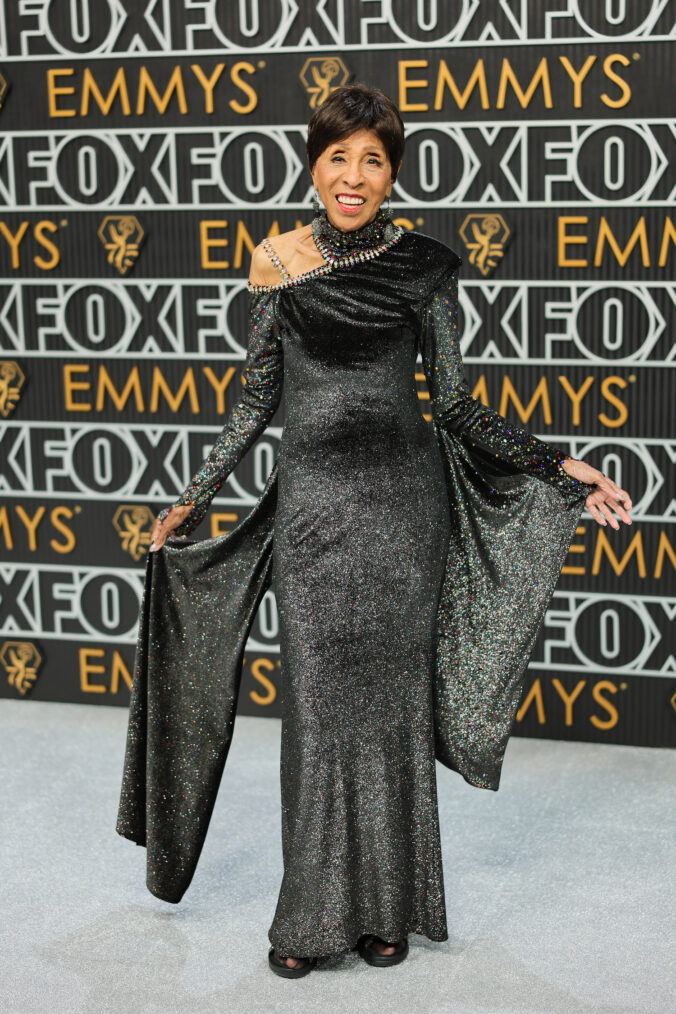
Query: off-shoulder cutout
[[262, 270], [287, 256]]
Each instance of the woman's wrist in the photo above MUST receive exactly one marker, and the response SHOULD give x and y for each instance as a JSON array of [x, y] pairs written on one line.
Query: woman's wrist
[[580, 470]]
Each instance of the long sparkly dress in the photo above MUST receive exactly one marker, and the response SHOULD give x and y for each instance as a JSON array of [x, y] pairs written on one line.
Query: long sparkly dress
[[381, 581]]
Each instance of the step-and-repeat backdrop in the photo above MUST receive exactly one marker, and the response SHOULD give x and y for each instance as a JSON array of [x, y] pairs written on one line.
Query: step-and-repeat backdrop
[[145, 149]]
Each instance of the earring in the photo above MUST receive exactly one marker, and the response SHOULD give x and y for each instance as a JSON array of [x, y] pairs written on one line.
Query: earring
[[386, 208], [316, 206]]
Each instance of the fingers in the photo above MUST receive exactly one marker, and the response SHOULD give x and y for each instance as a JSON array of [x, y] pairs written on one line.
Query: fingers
[[617, 501], [156, 531], [607, 484], [593, 510], [162, 529], [600, 512], [603, 502], [607, 514], [622, 513], [620, 494], [161, 537]]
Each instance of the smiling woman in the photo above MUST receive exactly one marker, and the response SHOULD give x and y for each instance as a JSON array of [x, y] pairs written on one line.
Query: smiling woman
[[354, 170], [411, 563], [353, 177]]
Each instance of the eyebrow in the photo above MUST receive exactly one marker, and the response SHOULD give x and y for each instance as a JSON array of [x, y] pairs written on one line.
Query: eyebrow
[[371, 151]]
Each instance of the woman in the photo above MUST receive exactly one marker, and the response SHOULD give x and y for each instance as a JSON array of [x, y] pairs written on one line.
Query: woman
[[412, 563]]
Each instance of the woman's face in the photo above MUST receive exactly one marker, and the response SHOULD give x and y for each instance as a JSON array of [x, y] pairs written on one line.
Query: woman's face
[[353, 177]]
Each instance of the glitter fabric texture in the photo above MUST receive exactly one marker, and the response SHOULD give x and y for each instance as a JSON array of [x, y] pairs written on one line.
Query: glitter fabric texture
[[412, 563], [262, 392]]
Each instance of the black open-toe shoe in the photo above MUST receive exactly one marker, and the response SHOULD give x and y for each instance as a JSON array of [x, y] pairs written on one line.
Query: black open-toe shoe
[[370, 954], [278, 965]]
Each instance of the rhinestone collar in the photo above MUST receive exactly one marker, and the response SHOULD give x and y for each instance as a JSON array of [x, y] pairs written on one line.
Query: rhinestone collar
[[339, 243], [367, 242]]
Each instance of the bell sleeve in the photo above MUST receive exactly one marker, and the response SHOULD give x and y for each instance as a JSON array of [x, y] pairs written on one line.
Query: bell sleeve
[[200, 599], [261, 395], [512, 447], [514, 513]]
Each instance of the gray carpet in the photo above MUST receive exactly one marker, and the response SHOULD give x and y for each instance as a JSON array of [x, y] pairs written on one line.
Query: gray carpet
[[560, 886]]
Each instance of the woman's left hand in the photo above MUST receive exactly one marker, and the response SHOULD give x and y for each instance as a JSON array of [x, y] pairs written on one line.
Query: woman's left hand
[[606, 497]]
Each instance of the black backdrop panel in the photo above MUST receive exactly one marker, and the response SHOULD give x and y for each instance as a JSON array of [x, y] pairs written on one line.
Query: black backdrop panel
[[146, 149]]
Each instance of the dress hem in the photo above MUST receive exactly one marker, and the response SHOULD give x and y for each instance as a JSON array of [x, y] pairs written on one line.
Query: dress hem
[[343, 948]]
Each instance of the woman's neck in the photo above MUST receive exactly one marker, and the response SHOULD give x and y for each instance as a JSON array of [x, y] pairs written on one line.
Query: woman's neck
[[339, 241]]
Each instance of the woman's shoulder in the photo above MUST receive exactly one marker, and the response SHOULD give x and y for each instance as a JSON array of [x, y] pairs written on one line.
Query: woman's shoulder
[[425, 262], [292, 250], [429, 253]]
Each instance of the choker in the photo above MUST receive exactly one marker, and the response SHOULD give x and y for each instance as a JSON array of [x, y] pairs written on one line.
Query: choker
[[337, 243], [339, 249]]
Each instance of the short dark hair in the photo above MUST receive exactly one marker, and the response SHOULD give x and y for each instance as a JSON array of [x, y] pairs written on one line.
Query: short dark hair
[[350, 108]]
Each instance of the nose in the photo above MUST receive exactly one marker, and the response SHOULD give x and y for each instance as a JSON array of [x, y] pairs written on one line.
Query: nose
[[352, 177]]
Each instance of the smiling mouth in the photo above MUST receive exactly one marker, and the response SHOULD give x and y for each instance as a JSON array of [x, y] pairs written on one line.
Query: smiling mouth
[[349, 204]]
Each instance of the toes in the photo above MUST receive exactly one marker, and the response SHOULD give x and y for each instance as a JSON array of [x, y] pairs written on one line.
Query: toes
[[291, 962], [383, 947]]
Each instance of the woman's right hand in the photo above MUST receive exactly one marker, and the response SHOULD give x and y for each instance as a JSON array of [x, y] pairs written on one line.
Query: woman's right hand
[[162, 529]]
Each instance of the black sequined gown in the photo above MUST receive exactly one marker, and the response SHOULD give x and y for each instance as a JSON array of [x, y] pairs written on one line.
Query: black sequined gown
[[361, 529]]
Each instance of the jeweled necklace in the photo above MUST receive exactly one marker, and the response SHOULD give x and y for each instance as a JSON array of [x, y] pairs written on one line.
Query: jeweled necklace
[[338, 247]]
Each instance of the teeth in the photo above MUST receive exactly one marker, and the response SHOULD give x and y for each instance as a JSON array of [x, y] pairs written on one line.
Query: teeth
[[351, 200]]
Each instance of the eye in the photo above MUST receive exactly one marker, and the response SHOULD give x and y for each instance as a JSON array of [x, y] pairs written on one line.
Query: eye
[[372, 159]]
